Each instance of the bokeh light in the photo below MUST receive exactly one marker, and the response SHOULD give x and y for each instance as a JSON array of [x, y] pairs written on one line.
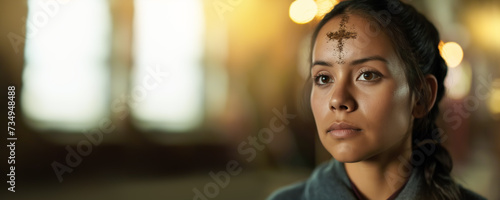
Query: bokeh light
[[483, 21], [303, 11], [325, 6], [452, 53]]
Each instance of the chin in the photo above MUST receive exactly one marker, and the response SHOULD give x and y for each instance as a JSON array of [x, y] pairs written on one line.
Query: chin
[[347, 157], [346, 153]]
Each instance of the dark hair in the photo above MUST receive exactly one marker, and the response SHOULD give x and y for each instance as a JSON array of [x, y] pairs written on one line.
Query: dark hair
[[416, 42]]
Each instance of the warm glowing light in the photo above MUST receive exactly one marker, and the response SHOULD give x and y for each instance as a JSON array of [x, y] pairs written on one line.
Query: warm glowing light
[[303, 11], [452, 53], [325, 6], [458, 81], [494, 101], [483, 22], [440, 47]]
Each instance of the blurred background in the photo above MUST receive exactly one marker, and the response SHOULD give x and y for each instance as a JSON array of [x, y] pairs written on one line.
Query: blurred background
[[205, 99]]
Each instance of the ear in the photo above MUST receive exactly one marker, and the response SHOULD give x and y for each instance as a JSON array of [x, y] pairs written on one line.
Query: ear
[[424, 104]]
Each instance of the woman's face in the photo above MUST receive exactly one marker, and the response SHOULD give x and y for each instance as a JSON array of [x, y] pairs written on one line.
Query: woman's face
[[360, 98]]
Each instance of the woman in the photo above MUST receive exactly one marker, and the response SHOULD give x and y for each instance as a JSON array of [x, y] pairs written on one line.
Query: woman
[[377, 80]]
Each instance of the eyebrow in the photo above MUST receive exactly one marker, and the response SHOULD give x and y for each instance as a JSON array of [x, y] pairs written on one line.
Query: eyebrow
[[322, 63], [371, 58], [355, 62]]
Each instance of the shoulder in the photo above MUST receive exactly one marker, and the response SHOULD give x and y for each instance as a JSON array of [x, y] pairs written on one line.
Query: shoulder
[[294, 191], [467, 194]]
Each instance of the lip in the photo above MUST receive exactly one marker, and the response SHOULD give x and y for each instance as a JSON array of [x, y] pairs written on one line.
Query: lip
[[343, 130]]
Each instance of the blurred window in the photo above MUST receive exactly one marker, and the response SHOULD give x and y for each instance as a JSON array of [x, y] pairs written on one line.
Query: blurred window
[[66, 74], [66, 77], [167, 89]]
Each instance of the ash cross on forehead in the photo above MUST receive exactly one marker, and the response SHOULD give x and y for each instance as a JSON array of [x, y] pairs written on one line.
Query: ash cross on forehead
[[340, 35]]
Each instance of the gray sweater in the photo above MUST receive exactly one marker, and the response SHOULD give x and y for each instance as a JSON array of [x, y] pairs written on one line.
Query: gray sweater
[[330, 181]]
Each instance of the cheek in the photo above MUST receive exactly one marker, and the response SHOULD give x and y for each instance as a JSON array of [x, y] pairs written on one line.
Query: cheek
[[317, 105], [388, 111]]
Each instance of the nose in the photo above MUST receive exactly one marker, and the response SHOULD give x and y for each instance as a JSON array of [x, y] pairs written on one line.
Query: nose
[[342, 99]]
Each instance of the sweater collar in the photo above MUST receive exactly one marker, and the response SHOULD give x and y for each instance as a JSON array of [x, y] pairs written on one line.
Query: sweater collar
[[330, 180]]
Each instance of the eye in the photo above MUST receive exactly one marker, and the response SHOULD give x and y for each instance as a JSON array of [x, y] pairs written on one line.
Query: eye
[[322, 79], [369, 76]]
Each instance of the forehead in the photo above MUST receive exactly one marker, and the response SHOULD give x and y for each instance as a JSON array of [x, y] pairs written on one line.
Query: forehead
[[369, 39]]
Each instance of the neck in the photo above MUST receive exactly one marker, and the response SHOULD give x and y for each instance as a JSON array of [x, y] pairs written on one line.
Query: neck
[[381, 176]]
